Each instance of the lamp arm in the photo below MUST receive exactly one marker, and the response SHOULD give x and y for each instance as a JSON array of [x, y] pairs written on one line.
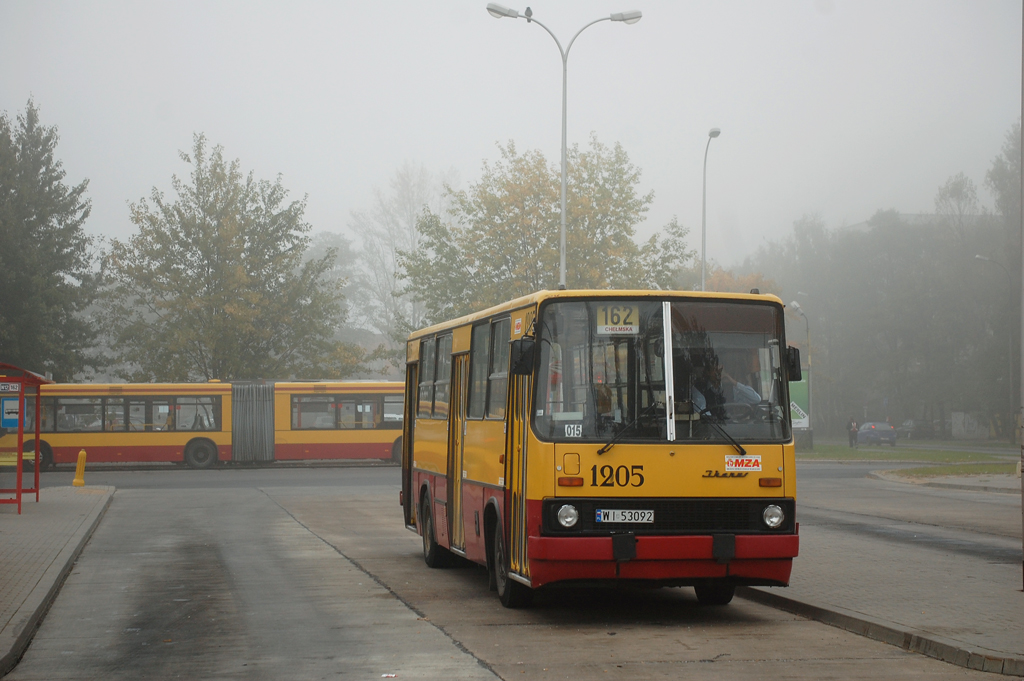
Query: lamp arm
[[581, 31], [564, 53]]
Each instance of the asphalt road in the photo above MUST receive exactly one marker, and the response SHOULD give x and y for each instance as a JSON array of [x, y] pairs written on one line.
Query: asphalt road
[[309, 573]]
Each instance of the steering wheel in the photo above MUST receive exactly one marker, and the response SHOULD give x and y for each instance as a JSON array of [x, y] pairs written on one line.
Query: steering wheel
[[738, 412]]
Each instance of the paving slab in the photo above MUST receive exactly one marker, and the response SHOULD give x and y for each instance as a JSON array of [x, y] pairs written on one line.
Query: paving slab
[[948, 592], [941, 602], [37, 550]]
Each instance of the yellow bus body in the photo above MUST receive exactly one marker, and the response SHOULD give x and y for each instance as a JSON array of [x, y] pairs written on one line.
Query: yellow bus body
[[483, 476]]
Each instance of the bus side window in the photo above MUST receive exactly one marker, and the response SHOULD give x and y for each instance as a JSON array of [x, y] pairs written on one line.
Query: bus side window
[[426, 396], [113, 414], [45, 419], [346, 413], [137, 416], [497, 381], [478, 368], [81, 414], [394, 412], [444, 377], [163, 418], [368, 412]]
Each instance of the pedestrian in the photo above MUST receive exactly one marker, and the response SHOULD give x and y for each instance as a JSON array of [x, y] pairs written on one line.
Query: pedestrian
[[851, 431]]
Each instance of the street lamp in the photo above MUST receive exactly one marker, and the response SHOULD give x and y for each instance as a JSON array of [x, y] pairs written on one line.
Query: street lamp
[[810, 412], [712, 134], [1009, 280], [500, 12]]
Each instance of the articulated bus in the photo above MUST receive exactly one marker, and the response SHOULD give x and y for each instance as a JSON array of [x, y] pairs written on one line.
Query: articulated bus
[[202, 424], [605, 437]]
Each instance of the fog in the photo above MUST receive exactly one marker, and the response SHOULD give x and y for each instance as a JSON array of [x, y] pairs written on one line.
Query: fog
[[829, 107]]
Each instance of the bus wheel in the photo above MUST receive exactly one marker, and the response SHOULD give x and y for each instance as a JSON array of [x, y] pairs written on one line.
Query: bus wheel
[[46, 457], [714, 594], [434, 555], [200, 454], [512, 593]]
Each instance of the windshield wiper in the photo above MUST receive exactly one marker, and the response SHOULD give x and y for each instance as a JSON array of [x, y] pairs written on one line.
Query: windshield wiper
[[643, 412], [713, 421]]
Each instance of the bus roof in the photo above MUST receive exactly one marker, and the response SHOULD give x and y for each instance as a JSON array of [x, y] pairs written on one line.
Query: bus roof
[[540, 296], [340, 386], [85, 389]]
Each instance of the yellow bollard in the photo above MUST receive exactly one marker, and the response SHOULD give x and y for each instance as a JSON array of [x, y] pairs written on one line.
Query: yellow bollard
[[80, 470]]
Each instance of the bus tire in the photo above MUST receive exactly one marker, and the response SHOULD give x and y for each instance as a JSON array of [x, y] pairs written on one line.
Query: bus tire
[[200, 454], [396, 451], [714, 593], [434, 555], [45, 455], [511, 593]]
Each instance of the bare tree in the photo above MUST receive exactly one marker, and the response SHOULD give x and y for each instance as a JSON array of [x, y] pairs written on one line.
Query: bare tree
[[387, 227], [956, 204]]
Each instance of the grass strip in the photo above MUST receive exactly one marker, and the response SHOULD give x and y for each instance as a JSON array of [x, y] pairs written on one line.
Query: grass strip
[[958, 470], [865, 453]]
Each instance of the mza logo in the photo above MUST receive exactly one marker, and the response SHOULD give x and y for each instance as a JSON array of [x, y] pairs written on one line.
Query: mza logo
[[743, 462]]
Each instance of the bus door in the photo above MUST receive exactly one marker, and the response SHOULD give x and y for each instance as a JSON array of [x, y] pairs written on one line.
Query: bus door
[[515, 473], [411, 394], [456, 435]]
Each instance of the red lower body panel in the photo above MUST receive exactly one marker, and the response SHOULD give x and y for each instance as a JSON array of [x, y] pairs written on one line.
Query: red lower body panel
[[759, 559], [134, 454], [369, 450]]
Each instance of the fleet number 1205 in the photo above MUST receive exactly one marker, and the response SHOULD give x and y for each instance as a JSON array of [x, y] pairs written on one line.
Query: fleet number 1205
[[620, 476]]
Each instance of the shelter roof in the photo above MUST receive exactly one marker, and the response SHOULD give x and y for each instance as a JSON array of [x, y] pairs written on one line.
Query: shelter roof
[[24, 375]]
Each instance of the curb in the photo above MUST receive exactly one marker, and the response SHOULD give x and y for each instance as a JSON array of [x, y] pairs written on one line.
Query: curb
[[100, 467], [978, 488], [881, 475], [30, 614], [910, 640]]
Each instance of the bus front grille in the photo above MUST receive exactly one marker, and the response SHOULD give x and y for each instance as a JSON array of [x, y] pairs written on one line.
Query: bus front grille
[[671, 516]]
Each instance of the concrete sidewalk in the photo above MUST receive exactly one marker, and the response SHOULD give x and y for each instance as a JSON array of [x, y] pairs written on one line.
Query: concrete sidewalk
[[37, 551], [962, 608], [950, 593]]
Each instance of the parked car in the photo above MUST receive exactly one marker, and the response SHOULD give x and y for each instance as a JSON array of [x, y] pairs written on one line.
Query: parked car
[[915, 429], [875, 433]]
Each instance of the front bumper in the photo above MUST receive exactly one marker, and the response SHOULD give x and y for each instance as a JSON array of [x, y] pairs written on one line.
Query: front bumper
[[757, 560]]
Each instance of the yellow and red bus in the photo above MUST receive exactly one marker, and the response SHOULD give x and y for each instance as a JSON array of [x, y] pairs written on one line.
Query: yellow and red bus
[[201, 424], [606, 436]]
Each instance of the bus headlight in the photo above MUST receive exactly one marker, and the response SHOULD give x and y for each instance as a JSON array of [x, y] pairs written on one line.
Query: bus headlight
[[568, 516], [773, 516]]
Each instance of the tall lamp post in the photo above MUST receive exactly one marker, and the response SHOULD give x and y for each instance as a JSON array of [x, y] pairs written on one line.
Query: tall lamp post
[[499, 12], [1009, 374], [799, 310], [712, 134]]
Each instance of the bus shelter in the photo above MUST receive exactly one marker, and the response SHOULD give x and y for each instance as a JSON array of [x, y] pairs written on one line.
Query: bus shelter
[[16, 385]]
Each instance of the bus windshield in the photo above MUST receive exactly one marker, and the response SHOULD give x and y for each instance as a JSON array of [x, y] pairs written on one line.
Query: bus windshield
[[604, 371]]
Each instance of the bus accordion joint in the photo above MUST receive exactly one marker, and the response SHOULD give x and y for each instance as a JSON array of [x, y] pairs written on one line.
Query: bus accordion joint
[[770, 482], [570, 482]]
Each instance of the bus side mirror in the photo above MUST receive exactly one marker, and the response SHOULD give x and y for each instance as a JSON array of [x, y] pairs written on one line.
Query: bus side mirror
[[521, 356], [793, 364]]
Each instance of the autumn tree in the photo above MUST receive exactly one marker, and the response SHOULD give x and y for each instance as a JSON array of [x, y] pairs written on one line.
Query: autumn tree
[[501, 237], [214, 284], [46, 278], [727, 281]]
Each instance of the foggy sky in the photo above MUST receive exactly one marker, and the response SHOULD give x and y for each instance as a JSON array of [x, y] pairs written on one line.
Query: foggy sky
[[835, 107]]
